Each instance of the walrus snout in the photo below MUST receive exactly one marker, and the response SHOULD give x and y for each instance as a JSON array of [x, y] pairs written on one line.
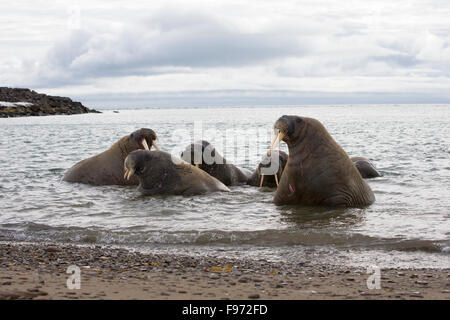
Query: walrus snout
[[135, 163], [145, 138], [284, 128]]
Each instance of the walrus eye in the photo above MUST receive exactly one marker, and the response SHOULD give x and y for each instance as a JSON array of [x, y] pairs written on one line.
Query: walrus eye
[[299, 120]]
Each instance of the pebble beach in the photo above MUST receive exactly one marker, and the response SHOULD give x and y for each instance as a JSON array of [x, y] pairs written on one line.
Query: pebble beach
[[38, 272]]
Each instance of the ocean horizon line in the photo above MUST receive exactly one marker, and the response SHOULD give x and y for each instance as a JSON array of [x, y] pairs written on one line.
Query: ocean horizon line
[[110, 108]]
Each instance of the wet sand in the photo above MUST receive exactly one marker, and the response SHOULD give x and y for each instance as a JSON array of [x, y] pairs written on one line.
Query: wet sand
[[38, 271]]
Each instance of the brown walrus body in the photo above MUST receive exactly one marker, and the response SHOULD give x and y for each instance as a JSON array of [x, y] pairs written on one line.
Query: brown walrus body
[[206, 157], [160, 173], [269, 177], [365, 167], [106, 168], [318, 171]]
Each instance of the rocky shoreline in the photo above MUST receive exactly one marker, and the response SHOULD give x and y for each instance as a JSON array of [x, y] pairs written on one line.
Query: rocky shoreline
[[39, 271], [18, 102]]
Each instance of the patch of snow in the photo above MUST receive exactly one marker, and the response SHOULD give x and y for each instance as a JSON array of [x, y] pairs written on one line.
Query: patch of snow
[[15, 104]]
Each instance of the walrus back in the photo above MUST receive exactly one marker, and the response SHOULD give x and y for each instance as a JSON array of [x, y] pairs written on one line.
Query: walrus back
[[81, 172], [199, 181], [105, 168]]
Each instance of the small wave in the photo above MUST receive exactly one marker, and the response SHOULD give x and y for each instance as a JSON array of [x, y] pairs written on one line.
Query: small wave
[[140, 235]]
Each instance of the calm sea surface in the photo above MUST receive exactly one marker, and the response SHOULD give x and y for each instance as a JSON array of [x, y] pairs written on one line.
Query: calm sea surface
[[408, 226]]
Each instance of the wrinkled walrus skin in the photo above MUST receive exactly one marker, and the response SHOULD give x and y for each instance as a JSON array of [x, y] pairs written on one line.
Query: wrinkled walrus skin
[[106, 168], [158, 174], [227, 173], [318, 171]]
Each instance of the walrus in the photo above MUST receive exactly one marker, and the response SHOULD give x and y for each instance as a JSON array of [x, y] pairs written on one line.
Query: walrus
[[271, 178], [160, 173], [365, 167], [318, 170], [106, 168], [204, 156]]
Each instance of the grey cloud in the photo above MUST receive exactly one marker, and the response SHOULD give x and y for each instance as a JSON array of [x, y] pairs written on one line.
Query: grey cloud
[[162, 40], [206, 41]]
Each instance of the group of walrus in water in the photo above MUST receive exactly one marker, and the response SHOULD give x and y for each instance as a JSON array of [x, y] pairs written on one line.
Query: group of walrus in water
[[317, 170]]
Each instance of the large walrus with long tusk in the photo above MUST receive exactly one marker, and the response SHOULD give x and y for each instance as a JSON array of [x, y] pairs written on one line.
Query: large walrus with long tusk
[[106, 168], [269, 170], [318, 171], [160, 173], [203, 155]]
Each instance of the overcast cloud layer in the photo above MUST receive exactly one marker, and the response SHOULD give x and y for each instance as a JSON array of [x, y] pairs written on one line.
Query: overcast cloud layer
[[122, 53]]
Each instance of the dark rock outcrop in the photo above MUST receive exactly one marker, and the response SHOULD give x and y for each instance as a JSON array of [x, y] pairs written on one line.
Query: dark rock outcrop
[[17, 102]]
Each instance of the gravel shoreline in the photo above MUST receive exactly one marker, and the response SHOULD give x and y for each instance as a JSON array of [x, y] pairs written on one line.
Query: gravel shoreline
[[38, 271]]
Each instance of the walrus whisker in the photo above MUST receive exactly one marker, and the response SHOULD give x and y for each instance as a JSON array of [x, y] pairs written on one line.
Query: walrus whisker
[[276, 142], [262, 180], [144, 143]]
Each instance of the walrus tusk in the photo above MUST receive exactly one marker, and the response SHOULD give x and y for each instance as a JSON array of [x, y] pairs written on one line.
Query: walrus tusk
[[276, 179], [276, 142], [262, 180], [128, 174], [144, 143], [156, 146]]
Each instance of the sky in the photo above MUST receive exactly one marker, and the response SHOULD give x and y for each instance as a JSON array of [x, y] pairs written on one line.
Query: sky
[[113, 54]]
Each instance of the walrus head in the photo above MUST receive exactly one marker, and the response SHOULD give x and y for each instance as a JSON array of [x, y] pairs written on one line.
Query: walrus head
[[273, 164], [202, 153], [287, 129], [136, 163], [144, 138]]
